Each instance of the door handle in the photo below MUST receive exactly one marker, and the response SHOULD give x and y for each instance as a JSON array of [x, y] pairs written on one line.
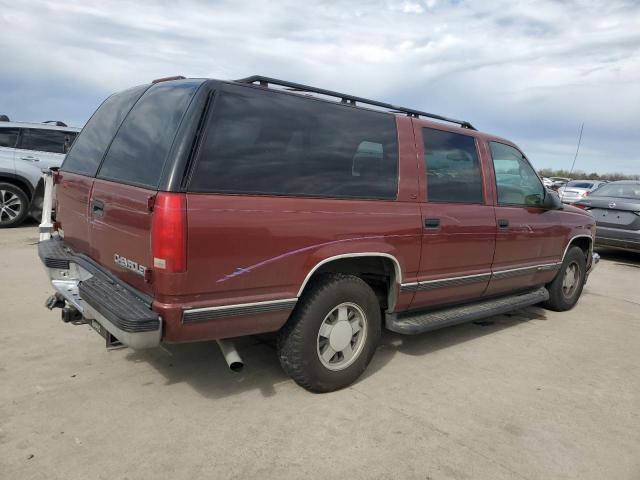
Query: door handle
[[97, 207], [431, 223], [503, 223], [30, 159]]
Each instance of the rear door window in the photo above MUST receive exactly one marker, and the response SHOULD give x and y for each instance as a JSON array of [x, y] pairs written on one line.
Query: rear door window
[[91, 144], [273, 143], [8, 137], [52, 141], [452, 167], [139, 149]]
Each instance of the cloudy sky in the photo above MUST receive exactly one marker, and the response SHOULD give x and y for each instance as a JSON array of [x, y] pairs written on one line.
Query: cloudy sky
[[528, 71]]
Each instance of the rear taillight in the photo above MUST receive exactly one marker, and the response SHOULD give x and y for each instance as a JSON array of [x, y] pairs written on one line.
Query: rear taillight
[[579, 206], [169, 232], [587, 193]]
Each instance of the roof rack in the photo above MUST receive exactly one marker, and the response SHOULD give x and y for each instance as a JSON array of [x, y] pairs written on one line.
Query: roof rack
[[350, 99], [57, 123]]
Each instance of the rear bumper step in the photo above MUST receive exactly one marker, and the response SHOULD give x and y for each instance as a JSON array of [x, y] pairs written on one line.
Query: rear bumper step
[[100, 296], [419, 322]]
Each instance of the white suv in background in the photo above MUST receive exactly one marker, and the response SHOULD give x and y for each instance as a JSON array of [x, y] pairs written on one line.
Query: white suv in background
[[26, 150]]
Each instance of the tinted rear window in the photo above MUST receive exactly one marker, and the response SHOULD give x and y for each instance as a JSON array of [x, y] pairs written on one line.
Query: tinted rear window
[[452, 166], [8, 137], [91, 144], [53, 141], [140, 148], [579, 184], [621, 190], [270, 143]]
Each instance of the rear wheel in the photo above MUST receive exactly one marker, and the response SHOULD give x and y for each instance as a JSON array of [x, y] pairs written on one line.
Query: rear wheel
[[14, 205], [566, 288], [332, 334]]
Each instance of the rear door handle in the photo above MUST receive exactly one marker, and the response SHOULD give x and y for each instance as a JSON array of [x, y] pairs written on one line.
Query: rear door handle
[[30, 159], [503, 223], [431, 223], [97, 207]]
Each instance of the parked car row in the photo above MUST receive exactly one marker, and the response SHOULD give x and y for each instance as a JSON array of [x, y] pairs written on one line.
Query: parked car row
[[26, 150]]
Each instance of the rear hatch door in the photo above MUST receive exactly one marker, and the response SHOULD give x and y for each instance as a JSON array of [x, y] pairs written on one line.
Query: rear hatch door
[[76, 177], [121, 205]]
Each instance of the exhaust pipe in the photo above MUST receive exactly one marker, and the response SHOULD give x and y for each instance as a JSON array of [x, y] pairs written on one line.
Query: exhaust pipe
[[231, 355]]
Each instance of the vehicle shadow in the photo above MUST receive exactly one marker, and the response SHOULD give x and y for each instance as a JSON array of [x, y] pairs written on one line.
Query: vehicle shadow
[[619, 257], [429, 342], [202, 366]]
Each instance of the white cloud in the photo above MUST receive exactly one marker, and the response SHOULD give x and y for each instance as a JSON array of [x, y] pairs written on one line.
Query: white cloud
[[529, 71]]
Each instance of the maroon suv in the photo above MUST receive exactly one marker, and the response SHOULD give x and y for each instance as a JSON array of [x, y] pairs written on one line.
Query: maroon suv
[[194, 209]]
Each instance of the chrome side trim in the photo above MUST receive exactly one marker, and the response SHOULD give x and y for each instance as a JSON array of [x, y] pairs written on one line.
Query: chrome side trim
[[396, 264], [478, 277], [211, 313]]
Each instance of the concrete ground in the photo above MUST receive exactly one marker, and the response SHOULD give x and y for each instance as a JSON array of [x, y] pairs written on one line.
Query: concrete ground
[[532, 395]]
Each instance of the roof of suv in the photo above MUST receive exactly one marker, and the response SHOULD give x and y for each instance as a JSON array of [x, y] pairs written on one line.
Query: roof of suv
[[42, 126]]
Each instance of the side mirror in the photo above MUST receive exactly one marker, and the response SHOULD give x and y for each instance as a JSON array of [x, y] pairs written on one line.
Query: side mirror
[[551, 200]]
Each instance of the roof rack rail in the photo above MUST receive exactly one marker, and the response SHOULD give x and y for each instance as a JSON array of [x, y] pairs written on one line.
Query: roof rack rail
[[350, 99], [57, 123]]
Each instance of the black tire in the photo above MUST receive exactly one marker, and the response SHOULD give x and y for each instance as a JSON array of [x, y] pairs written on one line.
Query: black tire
[[36, 208], [300, 342], [14, 205], [562, 298]]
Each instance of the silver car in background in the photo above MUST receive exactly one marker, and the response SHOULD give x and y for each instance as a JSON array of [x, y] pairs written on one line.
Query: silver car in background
[[576, 190]]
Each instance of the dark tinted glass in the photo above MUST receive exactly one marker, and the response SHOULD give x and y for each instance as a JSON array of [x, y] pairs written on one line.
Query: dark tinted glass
[[453, 170], [516, 180], [54, 141], [579, 184], [621, 190], [91, 144], [270, 143], [8, 137], [140, 147]]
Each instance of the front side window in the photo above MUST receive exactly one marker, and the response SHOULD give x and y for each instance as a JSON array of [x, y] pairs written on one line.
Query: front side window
[[516, 181], [452, 167], [53, 141], [140, 148], [8, 137], [271, 143]]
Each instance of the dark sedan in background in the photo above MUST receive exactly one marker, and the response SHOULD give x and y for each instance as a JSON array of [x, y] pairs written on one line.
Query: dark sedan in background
[[616, 208]]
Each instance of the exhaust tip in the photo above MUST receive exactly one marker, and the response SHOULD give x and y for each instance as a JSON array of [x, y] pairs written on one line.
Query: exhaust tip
[[231, 355], [236, 366]]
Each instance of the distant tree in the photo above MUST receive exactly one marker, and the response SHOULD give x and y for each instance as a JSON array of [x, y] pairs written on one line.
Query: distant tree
[[580, 175]]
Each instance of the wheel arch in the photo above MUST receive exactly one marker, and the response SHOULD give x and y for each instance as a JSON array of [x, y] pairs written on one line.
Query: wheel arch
[[367, 265], [584, 242], [20, 182]]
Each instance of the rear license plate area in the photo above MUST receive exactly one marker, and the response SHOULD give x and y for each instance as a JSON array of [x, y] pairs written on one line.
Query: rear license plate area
[[111, 342]]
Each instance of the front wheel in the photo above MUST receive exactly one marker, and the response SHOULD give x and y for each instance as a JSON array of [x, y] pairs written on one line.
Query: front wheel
[[566, 288], [332, 334]]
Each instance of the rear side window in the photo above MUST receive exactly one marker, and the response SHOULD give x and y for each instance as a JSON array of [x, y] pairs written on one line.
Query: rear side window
[[53, 141], [140, 148], [91, 144], [8, 137], [452, 166], [270, 143]]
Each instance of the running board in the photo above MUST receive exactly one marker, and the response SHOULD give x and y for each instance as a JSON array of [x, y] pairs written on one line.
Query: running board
[[414, 323]]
